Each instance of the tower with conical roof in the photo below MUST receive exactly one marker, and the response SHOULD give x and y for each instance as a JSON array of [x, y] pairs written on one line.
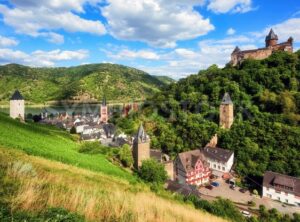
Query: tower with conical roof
[[103, 111], [141, 147], [226, 112], [271, 39], [17, 106]]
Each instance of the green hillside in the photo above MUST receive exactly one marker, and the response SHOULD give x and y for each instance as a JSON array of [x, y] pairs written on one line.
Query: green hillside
[[266, 96], [117, 82], [55, 144], [165, 79]]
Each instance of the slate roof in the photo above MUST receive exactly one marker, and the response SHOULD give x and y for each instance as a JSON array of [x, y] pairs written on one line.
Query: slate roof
[[183, 189], [141, 134], [287, 183], [236, 50], [271, 36], [218, 154], [226, 99], [104, 101], [17, 96]]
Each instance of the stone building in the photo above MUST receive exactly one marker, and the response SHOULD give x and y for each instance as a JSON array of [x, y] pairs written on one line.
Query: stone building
[[141, 147], [17, 106], [226, 112], [238, 56], [104, 111]]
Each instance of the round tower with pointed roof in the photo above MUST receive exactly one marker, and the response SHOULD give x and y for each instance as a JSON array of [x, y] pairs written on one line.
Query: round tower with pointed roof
[[141, 147], [271, 39], [226, 112], [103, 111], [17, 106]]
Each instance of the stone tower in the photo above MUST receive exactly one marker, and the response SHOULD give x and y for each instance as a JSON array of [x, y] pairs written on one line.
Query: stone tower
[[141, 147], [103, 111], [271, 39], [226, 112], [17, 106]]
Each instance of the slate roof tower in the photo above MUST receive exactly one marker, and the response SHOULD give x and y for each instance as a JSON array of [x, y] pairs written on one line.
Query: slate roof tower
[[17, 106], [226, 112], [141, 147]]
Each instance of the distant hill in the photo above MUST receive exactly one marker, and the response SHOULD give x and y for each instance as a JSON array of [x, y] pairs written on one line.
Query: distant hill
[[117, 82], [165, 79]]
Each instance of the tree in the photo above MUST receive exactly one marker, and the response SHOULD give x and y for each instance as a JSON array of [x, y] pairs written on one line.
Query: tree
[[153, 172], [125, 155]]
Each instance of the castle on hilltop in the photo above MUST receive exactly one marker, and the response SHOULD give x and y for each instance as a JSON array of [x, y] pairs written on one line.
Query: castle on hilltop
[[238, 56]]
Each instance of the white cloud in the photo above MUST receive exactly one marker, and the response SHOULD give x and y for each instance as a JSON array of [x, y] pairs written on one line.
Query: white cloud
[[285, 29], [40, 58], [230, 31], [158, 22], [234, 6], [43, 18], [131, 54], [6, 42]]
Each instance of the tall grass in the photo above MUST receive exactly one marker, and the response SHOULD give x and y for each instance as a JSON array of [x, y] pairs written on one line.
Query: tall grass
[[96, 196], [55, 144]]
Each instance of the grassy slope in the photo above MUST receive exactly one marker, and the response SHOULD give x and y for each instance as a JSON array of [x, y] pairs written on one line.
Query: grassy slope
[[117, 82], [97, 196], [53, 143]]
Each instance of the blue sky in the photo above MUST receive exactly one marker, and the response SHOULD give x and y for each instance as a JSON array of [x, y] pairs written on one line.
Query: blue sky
[[162, 37]]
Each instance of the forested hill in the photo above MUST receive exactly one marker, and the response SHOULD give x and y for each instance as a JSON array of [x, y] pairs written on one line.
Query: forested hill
[[265, 134], [117, 82]]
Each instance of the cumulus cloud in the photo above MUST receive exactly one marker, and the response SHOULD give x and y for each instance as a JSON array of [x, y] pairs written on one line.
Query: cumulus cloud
[[133, 54], [43, 18], [230, 31], [285, 29], [6, 42], [158, 22], [40, 57], [234, 6]]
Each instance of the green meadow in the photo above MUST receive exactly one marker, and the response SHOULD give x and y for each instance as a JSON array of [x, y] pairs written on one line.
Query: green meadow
[[55, 144]]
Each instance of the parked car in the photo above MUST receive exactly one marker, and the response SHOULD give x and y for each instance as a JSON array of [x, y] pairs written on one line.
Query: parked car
[[232, 186], [215, 184], [246, 213], [243, 190], [210, 187]]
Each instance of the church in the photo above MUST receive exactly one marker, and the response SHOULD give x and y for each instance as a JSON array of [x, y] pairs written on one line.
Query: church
[[238, 56]]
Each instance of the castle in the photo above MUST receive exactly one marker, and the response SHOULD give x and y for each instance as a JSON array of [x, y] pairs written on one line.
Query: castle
[[238, 56], [17, 106]]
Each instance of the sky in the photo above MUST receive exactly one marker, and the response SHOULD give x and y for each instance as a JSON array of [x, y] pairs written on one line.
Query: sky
[[162, 37]]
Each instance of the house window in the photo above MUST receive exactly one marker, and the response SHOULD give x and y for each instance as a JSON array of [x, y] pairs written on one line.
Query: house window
[[223, 168], [278, 198], [219, 167], [269, 195], [267, 188], [277, 191], [286, 200], [215, 166]]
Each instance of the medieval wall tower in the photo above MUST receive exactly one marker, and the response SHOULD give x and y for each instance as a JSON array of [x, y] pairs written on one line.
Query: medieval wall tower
[[141, 147], [226, 112], [17, 106], [103, 111], [271, 39]]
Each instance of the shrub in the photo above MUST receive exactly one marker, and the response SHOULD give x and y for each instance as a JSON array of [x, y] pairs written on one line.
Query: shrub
[[125, 155], [153, 172]]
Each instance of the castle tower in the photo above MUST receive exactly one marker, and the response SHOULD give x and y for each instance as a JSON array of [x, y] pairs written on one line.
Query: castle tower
[[17, 106], [141, 147], [271, 39], [226, 112], [103, 111]]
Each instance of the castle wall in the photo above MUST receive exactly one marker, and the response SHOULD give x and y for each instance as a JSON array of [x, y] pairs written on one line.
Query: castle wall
[[141, 151], [226, 116], [17, 109]]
